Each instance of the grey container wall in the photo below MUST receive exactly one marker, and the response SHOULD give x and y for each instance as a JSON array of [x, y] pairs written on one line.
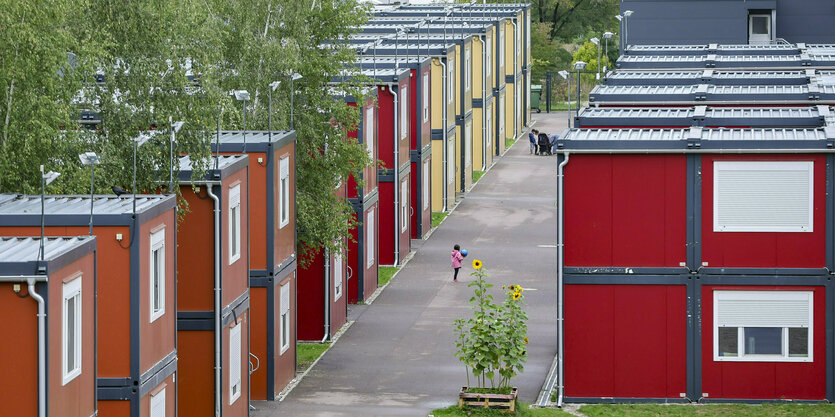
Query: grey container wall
[[717, 77], [669, 22], [703, 116]]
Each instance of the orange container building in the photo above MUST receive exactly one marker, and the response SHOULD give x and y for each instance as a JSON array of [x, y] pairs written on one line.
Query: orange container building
[[49, 309], [272, 254], [213, 288], [136, 308], [362, 253]]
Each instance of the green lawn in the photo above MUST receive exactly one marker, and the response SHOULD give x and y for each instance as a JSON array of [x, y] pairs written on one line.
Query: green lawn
[[385, 273], [508, 143], [437, 217], [522, 410], [730, 410], [477, 175], [309, 352]]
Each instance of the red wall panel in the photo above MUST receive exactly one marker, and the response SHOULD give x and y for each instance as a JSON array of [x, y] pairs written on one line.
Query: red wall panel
[[608, 354], [765, 380], [311, 319], [762, 249], [625, 210]]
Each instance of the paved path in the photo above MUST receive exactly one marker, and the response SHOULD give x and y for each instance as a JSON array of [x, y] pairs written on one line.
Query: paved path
[[398, 358]]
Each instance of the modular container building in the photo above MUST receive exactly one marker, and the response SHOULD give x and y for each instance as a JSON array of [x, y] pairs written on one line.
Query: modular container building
[[272, 256], [461, 74], [420, 150], [323, 306], [727, 21], [213, 287], [734, 95], [717, 77], [136, 308], [49, 302], [442, 121], [696, 264], [820, 59], [393, 180], [707, 116], [361, 253]]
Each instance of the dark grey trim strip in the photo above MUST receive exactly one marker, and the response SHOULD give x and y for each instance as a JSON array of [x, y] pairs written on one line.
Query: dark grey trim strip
[[803, 280], [194, 315], [259, 282], [135, 306], [830, 341], [571, 279], [385, 175], [762, 271], [114, 393], [254, 273], [611, 400], [233, 313], [436, 134], [625, 270], [157, 367], [195, 325], [478, 103], [414, 156], [153, 380], [113, 382]]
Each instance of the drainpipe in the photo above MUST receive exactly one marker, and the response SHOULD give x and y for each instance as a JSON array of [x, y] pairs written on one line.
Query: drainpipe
[[396, 171], [515, 81], [560, 286], [41, 348], [217, 291], [327, 262], [445, 156], [483, 40]]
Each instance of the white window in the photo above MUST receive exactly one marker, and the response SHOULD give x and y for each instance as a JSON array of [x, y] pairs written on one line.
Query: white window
[[235, 359], [370, 249], [285, 317], [71, 330], [762, 326], [774, 196], [501, 47], [501, 117], [450, 81], [369, 131], [425, 184], [284, 192], [404, 205], [425, 97], [158, 404], [518, 106], [488, 56], [468, 144], [404, 112], [234, 223], [489, 124], [450, 160], [337, 275], [467, 70], [157, 282]]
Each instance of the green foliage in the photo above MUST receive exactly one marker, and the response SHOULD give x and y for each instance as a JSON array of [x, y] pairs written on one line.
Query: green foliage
[[438, 217], [588, 54], [477, 175], [731, 410], [492, 343], [522, 410], [385, 273], [307, 353]]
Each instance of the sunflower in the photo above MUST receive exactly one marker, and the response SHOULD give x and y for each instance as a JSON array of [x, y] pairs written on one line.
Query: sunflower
[[476, 264], [516, 295], [526, 340]]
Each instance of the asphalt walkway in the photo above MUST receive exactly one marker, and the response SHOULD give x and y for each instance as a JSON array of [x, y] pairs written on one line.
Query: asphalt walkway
[[398, 358]]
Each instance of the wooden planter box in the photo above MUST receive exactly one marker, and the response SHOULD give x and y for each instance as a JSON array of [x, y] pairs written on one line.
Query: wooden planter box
[[502, 402]]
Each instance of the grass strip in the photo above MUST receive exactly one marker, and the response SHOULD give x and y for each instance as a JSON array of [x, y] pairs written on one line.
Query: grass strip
[[477, 175], [688, 410], [438, 217], [308, 352], [522, 410], [385, 273]]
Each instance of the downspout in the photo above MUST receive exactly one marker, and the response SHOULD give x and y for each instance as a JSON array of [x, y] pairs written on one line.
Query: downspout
[[444, 153], [483, 40], [560, 286], [515, 81], [41, 347], [327, 262], [217, 301], [396, 172]]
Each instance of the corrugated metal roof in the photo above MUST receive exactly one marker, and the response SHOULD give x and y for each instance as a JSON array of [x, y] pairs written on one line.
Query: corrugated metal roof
[[696, 133], [725, 61], [708, 76], [76, 204], [704, 116], [252, 136], [636, 112], [812, 93], [223, 161], [27, 249]]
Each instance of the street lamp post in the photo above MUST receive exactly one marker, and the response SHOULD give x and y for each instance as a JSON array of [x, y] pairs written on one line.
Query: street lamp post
[[565, 74], [46, 178], [579, 66], [243, 97], [273, 86], [607, 36], [175, 127], [626, 15], [137, 142], [597, 42], [293, 77], [90, 159]]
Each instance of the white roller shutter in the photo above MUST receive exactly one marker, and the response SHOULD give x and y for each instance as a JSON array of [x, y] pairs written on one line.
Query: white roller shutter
[[763, 308], [772, 196], [234, 363]]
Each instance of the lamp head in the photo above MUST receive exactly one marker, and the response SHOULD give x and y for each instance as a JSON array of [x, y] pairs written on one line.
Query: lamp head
[[49, 176], [240, 95], [177, 126], [89, 158], [563, 74], [619, 17], [579, 65], [275, 84], [608, 35], [628, 13], [296, 76], [595, 41], [141, 139]]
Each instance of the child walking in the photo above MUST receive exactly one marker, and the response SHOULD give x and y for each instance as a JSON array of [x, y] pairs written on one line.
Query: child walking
[[457, 257]]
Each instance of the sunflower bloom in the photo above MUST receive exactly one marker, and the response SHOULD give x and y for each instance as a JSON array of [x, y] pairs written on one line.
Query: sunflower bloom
[[526, 340], [516, 295], [476, 264]]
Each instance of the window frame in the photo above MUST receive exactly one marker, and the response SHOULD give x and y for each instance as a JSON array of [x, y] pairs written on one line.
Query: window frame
[[284, 192], [404, 112], [488, 58], [807, 166], [763, 296], [337, 275], [71, 290], [450, 82], [370, 248], [425, 97], [235, 367], [369, 131], [404, 205], [155, 401], [234, 223], [467, 69], [284, 317], [426, 182], [157, 243]]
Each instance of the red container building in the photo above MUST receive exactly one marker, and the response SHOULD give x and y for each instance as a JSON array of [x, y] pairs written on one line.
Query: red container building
[[50, 309], [362, 256], [272, 255], [213, 287], [136, 309], [696, 264]]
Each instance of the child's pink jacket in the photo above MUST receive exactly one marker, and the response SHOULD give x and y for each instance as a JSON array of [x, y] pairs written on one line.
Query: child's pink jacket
[[456, 259]]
